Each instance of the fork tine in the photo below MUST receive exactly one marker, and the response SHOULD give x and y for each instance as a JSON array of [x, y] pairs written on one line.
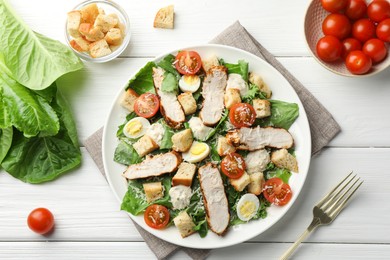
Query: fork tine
[[334, 201], [344, 202], [325, 199]]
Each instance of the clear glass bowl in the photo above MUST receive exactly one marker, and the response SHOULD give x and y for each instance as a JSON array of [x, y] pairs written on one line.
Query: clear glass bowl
[[109, 7]]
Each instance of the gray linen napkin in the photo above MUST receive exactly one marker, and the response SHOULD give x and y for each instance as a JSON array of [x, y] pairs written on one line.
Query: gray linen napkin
[[323, 127]]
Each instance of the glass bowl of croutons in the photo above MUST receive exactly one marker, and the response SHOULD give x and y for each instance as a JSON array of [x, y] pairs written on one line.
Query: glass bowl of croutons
[[97, 30]]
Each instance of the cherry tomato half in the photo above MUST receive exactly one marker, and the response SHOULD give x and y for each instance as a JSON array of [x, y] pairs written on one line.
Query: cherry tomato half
[[375, 49], [337, 25], [363, 30], [358, 63], [188, 62], [383, 30], [350, 44], [242, 115], [356, 9], [156, 216], [277, 192], [40, 220], [378, 10], [146, 105], [334, 6], [329, 48], [233, 165]]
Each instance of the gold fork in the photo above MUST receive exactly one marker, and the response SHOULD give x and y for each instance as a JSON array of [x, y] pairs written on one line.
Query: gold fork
[[328, 208]]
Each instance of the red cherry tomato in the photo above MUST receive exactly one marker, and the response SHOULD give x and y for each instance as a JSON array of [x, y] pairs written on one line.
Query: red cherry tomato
[[375, 49], [363, 30], [329, 48], [277, 192], [356, 9], [378, 10], [383, 30], [146, 105], [188, 62], [156, 216], [233, 165], [337, 25], [358, 63], [40, 220], [242, 115], [350, 44], [334, 6]]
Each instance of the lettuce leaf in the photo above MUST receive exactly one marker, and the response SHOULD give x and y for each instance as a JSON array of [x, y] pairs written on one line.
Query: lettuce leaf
[[283, 114], [167, 64], [34, 60], [126, 154], [242, 68], [5, 141], [142, 82], [170, 83], [166, 142]]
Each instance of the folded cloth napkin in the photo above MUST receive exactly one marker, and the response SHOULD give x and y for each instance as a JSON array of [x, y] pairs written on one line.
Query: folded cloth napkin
[[323, 127]]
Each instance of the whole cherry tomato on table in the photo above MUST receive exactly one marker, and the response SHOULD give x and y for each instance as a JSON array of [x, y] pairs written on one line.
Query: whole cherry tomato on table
[[363, 30], [356, 9], [358, 63], [40, 220], [383, 30], [337, 25], [378, 10], [329, 48], [350, 44], [334, 6], [375, 49]]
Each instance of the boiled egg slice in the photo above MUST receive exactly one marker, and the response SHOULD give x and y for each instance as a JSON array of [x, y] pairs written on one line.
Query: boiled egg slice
[[136, 127], [197, 152], [189, 83], [247, 206]]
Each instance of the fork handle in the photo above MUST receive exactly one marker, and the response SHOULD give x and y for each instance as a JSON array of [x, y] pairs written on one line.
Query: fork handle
[[313, 225]]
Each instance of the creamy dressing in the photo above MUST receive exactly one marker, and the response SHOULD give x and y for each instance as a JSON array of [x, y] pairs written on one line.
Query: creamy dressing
[[180, 196]]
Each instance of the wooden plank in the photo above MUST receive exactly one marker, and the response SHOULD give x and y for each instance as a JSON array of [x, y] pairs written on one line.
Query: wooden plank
[[86, 210]]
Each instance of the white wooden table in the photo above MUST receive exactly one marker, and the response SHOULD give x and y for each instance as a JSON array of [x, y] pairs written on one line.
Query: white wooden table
[[89, 223]]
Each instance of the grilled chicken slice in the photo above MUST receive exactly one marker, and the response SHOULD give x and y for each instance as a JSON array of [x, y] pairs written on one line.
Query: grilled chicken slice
[[214, 198], [169, 105], [153, 166], [213, 92], [257, 138]]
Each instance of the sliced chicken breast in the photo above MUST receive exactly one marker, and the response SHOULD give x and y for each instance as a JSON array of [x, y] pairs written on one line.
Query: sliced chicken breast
[[257, 161], [153, 166], [213, 92], [169, 105], [257, 138], [214, 198]]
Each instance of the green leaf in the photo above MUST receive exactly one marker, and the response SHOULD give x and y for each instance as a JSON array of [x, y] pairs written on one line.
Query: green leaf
[[126, 154], [34, 60], [283, 174], [253, 93], [142, 82], [170, 83], [167, 64], [283, 114], [241, 68], [134, 200], [219, 128], [166, 142], [5, 141]]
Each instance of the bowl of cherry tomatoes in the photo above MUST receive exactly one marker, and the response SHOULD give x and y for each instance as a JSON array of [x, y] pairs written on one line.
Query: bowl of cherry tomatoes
[[349, 37]]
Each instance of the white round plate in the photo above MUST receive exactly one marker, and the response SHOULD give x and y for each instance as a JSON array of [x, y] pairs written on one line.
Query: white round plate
[[300, 130]]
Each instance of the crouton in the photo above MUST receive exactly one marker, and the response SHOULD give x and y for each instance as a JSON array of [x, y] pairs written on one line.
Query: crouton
[[187, 102], [258, 81], [73, 23], [114, 37], [89, 13], [240, 183], [145, 145], [231, 97], [224, 147], [210, 62], [82, 43], [255, 185], [182, 140], [121, 27], [184, 224], [99, 49], [184, 174], [164, 18], [128, 99], [282, 159], [105, 22], [84, 28], [153, 191], [262, 108], [95, 34]]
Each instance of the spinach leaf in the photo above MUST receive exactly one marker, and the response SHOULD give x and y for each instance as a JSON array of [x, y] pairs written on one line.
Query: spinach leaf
[[142, 82], [126, 154], [283, 114], [241, 68], [34, 60], [170, 83], [167, 64], [5, 141]]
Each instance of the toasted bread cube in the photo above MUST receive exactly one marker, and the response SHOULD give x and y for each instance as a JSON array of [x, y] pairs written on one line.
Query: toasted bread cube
[[187, 102], [121, 27], [145, 145], [101, 10], [99, 49], [105, 22], [240, 183], [184, 224], [75, 46], [256, 183], [184, 174], [182, 140], [231, 97], [282, 159], [164, 18], [210, 62], [153, 191], [95, 34], [89, 13], [128, 99], [84, 28], [224, 147], [258, 81], [73, 23], [262, 108], [114, 37], [82, 43], [115, 16]]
